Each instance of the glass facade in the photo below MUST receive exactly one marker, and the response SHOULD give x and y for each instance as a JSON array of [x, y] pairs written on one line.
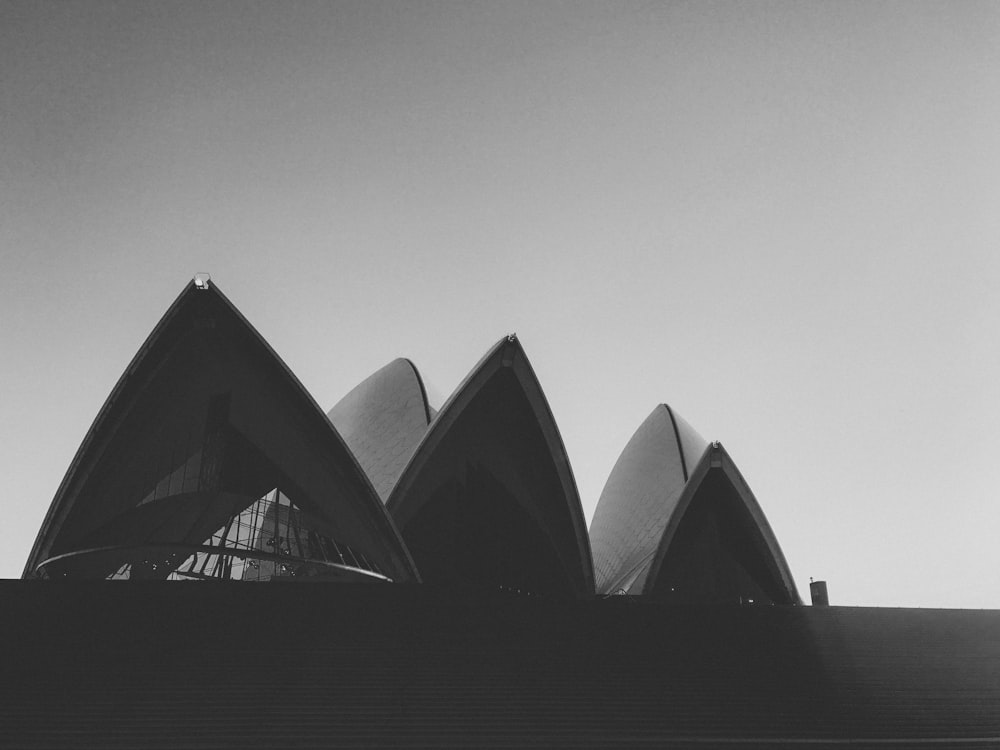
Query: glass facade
[[269, 539]]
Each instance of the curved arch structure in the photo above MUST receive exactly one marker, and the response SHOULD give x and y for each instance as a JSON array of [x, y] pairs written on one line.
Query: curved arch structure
[[208, 441], [382, 420], [717, 546], [676, 520], [488, 498], [634, 507]]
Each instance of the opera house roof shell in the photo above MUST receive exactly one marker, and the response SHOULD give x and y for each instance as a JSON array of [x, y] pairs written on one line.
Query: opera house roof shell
[[210, 462], [382, 420], [677, 520], [488, 497]]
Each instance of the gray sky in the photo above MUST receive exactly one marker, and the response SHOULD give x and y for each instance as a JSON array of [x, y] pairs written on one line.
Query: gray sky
[[781, 219]]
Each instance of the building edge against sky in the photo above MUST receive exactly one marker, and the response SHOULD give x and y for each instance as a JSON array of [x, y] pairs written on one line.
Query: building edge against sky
[[206, 441], [491, 483], [676, 515], [210, 460], [383, 419]]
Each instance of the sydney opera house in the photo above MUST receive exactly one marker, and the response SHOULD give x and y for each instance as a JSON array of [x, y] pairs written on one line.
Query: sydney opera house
[[425, 577]]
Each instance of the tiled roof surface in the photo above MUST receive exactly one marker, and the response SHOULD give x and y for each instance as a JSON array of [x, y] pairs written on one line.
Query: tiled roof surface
[[639, 496], [382, 421]]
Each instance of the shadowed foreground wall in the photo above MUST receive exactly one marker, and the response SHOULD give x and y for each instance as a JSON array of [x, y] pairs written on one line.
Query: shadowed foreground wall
[[155, 665]]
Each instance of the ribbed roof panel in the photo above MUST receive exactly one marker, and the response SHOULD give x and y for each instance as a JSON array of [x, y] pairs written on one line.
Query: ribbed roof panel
[[382, 420], [639, 497]]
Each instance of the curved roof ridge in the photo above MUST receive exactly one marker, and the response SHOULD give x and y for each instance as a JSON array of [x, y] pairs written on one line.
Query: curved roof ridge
[[95, 426], [644, 484], [382, 420], [677, 437], [447, 412], [102, 415], [690, 443], [506, 356], [199, 315], [423, 390]]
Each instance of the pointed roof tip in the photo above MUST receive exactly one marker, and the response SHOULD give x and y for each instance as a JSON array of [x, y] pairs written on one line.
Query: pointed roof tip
[[648, 492], [646, 480], [361, 506], [716, 460], [508, 349], [382, 420], [429, 411], [506, 363], [673, 412], [689, 442], [511, 348], [399, 370]]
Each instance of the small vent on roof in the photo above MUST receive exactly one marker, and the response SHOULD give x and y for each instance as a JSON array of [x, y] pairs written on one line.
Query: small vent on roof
[[201, 280], [818, 593]]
